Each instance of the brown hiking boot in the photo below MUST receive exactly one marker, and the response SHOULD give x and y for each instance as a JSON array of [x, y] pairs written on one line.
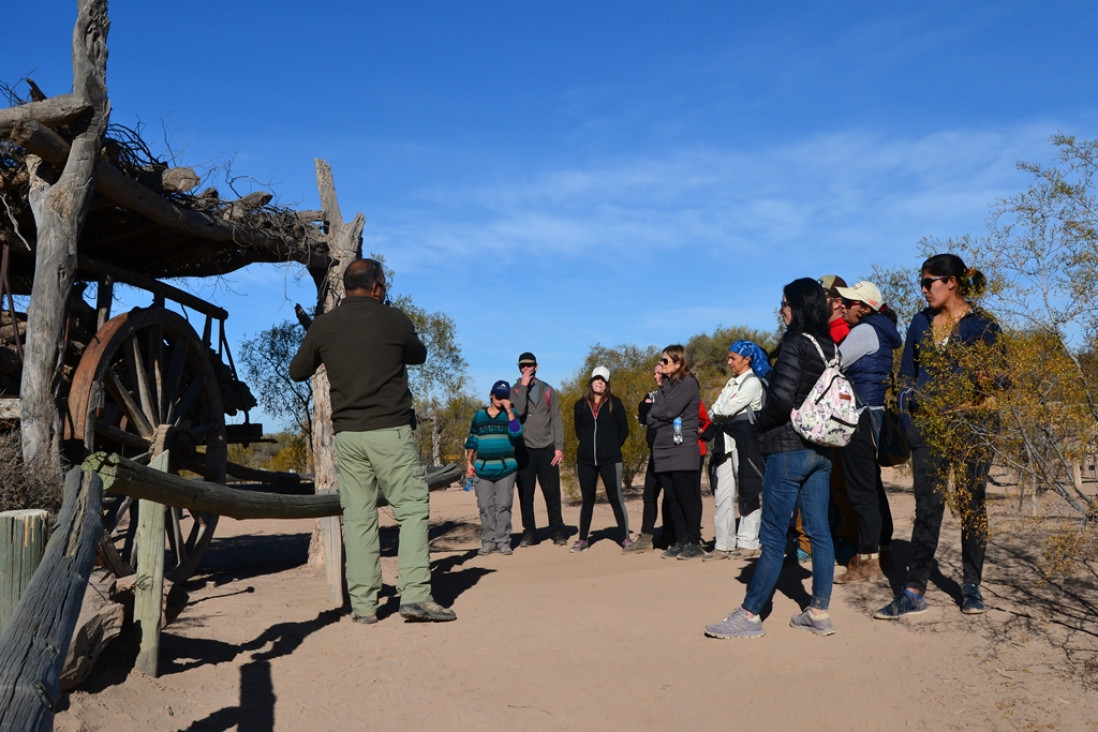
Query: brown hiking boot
[[642, 544], [862, 568]]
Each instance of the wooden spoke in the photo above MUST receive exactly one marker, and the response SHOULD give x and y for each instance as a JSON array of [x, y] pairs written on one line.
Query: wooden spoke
[[156, 371], [133, 411], [172, 379], [139, 378], [128, 439]]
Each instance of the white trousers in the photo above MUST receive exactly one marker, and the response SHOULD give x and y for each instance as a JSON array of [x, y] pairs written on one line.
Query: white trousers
[[724, 517]]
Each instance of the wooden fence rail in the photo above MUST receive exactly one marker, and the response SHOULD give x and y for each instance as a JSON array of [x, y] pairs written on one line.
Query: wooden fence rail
[[34, 643]]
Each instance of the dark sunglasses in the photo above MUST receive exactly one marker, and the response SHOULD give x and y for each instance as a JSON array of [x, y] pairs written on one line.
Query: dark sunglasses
[[665, 361], [926, 282]]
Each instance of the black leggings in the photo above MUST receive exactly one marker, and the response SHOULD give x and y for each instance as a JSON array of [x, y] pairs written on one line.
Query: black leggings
[[611, 480], [682, 488]]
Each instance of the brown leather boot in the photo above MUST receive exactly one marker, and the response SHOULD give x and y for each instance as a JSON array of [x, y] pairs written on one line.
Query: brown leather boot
[[862, 568], [642, 544]]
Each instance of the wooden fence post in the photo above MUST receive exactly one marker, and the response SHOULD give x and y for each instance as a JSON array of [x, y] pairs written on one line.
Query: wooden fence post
[[148, 590], [332, 541], [22, 542]]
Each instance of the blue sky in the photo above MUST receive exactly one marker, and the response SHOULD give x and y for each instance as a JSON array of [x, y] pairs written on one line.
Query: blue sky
[[557, 174]]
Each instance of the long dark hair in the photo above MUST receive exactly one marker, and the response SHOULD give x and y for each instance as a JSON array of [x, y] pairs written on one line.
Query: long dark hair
[[589, 397], [971, 282], [808, 308]]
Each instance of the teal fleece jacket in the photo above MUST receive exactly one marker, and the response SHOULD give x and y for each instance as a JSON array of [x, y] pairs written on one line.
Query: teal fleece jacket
[[365, 347]]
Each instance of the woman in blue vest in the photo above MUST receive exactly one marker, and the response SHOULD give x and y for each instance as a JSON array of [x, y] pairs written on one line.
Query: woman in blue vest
[[867, 360]]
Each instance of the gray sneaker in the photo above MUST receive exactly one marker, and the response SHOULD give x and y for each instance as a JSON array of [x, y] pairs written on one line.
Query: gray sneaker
[[816, 624], [427, 611], [736, 625]]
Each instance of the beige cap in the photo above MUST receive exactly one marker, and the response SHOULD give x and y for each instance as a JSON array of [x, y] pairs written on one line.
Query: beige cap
[[864, 291]]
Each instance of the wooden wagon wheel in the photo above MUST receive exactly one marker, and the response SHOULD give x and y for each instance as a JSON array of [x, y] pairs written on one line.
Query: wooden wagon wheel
[[144, 385]]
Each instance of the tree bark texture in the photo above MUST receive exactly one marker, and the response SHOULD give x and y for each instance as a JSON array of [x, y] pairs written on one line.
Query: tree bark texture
[[34, 644], [344, 245], [59, 211]]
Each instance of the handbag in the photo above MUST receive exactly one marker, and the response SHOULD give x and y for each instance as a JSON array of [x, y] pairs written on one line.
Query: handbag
[[892, 447]]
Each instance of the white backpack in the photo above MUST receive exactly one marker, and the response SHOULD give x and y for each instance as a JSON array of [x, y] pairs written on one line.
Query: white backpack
[[829, 414]]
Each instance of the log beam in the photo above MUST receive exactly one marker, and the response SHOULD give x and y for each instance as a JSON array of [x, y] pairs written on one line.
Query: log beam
[[130, 194], [52, 112]]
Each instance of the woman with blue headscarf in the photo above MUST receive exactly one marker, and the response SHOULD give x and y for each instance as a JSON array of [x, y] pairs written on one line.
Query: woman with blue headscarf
[[736, 465]]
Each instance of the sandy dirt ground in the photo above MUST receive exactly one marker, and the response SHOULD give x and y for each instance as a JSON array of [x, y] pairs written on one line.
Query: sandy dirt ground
[[549, 640]]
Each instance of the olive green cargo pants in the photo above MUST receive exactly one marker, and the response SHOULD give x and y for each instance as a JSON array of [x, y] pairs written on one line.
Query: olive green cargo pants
[[383, 460]]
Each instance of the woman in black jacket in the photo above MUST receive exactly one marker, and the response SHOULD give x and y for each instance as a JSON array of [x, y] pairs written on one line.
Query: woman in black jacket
[[798, 473], [601, 427], [675, 451]]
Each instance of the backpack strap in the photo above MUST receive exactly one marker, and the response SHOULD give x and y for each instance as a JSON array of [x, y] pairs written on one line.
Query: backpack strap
[[836, 361]]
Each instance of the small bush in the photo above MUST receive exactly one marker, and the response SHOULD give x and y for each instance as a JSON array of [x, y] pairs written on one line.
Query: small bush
[[21, 489]]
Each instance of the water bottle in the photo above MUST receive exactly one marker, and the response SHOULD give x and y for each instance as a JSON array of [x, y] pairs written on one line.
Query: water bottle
[[677, 424], [467, 484]]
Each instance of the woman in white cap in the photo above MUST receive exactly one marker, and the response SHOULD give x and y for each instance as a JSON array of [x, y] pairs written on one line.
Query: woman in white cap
[[867, 360], [601, 428]]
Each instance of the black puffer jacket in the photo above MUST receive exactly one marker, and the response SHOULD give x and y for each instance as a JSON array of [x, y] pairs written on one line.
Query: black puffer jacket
[[794, 374]]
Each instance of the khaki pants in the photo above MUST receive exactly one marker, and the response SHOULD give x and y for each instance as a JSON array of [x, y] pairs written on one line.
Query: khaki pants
[[383, 460]]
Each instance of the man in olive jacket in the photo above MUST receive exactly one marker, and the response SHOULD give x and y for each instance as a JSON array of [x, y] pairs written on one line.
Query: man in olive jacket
[[365, 346]]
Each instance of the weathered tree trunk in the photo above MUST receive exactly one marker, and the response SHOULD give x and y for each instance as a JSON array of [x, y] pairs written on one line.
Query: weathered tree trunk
[[59, 211], [34, 643], [344, 245]]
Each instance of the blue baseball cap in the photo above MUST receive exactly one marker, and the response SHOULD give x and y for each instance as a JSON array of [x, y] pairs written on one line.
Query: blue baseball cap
[[501, 389]]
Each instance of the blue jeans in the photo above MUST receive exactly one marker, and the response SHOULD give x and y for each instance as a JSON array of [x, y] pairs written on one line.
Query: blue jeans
[[800, 477]]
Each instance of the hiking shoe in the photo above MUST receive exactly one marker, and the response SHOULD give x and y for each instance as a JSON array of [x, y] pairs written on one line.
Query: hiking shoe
[[820, 625], [485, 550], [972, 602], [428, 611], [528, 539], [672, 551], [366, 619], [905, 603], [642, 544], [716, 555], [742, 553], [580, 546], [862, 568], [690, 551], [559, 540], [627, 543], [736, 625], [505, 549]]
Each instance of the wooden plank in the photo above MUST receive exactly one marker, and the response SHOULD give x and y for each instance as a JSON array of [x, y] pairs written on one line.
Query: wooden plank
[[332, 542], [149, 587], [10, 409], [22, 542], [156, 287]]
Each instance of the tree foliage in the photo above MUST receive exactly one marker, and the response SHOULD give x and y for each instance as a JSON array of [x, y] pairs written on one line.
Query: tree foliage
[[266, 361], [1040, 256]]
